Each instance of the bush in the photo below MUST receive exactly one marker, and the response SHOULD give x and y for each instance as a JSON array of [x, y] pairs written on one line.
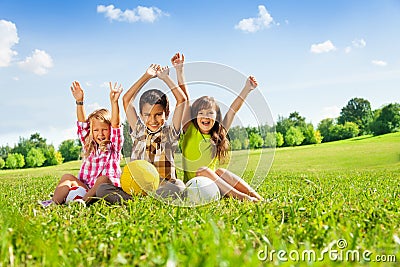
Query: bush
[[53, 157], [70, 150], [35, 158], [236, 144], [255, 141], [294, 136], [270, 140], [15, 160], [2, 163]]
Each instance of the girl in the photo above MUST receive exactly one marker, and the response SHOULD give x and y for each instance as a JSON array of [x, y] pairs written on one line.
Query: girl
[[204, 140], [101, 136]]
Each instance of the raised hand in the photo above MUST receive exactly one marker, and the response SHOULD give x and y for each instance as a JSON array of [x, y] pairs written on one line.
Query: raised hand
[[177, 60], [251, 83], [152, 70], [163, 72], [77, 91], [115, 92]]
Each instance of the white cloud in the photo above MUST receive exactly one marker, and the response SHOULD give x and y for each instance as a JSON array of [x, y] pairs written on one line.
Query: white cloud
[[359, 43], [379, 63], [263, 20], [38, 63], [140, 13], [347, 49], [8, 38], [324, 47]]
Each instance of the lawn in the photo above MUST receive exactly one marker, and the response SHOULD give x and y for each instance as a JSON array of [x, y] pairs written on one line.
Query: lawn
[[334, 204]]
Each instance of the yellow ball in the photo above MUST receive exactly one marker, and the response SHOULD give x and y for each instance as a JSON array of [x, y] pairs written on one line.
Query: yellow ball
[[139, 177]]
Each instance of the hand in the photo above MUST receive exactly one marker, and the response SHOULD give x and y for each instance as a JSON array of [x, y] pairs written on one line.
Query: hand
[[177, 61], [163, 72], [115, 92], [77, 91], [152, 70], [251, 83]]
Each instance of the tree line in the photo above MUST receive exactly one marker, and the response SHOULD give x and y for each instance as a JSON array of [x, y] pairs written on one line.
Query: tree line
[[355, 119]]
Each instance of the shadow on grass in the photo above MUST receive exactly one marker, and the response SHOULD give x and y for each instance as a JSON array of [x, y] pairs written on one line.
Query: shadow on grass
[[361, 137]]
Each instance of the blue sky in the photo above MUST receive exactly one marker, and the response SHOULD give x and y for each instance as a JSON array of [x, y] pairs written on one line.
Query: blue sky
[[308, 56]]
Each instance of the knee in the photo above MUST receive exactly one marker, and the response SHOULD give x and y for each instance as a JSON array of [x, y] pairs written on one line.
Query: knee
[[203, 171], [220, 171]]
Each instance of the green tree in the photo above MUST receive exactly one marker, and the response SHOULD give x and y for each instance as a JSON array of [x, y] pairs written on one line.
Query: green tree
[[236, 144], [15, 160], [128, 143], [25, 145], [53, 157], [4, 150], [70, 149], [270, 140], [2, 163], [294, 136], [325, 127], [35, 158], [387, 119], [279, 139], [255, 141], [357, 110]]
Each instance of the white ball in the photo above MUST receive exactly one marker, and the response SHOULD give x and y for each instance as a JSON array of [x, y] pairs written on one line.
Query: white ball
[[75, 192], [202, 190]]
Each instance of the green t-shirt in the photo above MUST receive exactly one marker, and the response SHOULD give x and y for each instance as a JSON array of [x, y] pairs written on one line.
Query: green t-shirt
[[196, 152]]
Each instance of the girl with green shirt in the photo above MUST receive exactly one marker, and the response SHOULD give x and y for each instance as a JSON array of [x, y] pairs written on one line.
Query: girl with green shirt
[[204, 140]]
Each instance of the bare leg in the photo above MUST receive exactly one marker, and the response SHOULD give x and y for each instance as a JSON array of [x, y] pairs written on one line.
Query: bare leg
[[237, 183], [67, 181], [92, 191], [224, 187]]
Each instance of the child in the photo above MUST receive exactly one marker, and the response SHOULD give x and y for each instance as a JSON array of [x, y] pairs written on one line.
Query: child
[[101, 136], [153, 139], [204, 139]]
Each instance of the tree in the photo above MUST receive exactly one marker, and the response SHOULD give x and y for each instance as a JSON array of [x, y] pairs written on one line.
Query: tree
[[25, 145], [236, 144], [53, 157], [2, 163], [128, 143], [4, 150], [387, 119], [70, 149], [357, 110], [35, 158], [279, 139], [294, 136], [270, 140], [325, 127], [15, 160], [255, 141]]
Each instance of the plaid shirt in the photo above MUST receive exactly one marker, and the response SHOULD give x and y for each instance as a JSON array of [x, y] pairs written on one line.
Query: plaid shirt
[[100, 163], [158, 148]]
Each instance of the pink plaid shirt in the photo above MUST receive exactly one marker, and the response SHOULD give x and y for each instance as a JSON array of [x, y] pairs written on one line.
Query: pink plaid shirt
[[100, 163]]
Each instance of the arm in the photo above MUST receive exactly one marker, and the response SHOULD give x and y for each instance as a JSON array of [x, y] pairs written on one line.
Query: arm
[[178, 62], [250, 85], [115, 92], [180, 97], [78, 94], [131, 94]]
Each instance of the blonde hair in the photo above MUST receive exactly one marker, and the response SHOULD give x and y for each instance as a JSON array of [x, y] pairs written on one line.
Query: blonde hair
[[219, 141], [102, 115]]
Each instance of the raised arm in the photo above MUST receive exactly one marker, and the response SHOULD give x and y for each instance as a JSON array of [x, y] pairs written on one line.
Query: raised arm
[[131, 94], [115, 92], [178, 61], [250, 85], [78, 94], [163, 74]]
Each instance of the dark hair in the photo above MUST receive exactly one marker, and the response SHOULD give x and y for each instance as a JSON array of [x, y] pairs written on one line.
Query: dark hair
[[218, 133], [153, 97]]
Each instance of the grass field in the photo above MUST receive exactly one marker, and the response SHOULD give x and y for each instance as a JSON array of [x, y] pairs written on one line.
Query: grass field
[[334, 204]]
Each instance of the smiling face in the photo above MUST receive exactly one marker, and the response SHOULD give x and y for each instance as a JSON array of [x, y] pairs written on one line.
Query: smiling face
[[206, 120], [100, 130], [153, 116]]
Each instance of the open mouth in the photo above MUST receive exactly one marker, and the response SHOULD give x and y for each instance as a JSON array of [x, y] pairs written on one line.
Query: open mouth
[[206, 123]]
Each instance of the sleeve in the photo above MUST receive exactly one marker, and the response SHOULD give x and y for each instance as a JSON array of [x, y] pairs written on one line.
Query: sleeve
[[83, 131], [117, 138]]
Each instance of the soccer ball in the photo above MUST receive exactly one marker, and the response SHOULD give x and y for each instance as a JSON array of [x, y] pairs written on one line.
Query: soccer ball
[[75, 192], [139, 177], [202, 190]]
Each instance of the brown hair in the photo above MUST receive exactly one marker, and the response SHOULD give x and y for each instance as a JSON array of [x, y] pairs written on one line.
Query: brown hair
[[218, 133], [102, 115]]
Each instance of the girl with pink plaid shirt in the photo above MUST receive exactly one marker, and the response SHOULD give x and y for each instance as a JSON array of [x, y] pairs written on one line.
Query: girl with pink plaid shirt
[[101, 136]]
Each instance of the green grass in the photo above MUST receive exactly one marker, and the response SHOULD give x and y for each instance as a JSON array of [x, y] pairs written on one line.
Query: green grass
[[315, 195]]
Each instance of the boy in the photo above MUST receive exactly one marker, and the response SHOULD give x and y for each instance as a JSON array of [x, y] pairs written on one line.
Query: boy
[[153, 139]]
